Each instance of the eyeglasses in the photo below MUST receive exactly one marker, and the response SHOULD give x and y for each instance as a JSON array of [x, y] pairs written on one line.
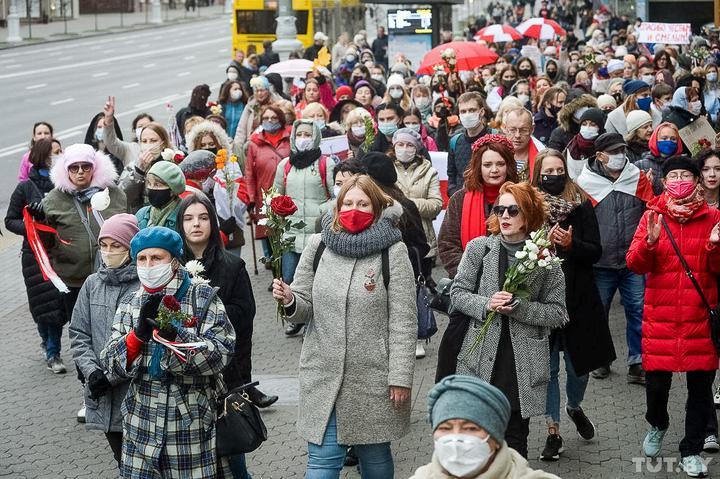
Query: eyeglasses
[[512, 210], [518, 131], [684, 176], [80, 166]]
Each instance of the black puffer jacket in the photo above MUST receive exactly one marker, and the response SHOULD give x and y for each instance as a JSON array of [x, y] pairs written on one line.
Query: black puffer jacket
[[44, 299]]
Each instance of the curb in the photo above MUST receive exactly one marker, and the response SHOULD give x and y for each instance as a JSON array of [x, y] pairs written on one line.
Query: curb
[[111, 31]]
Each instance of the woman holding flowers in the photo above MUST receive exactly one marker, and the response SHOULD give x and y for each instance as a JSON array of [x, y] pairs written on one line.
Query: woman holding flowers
[[507, 342], [354, 288], [585, 340], [170, 406]]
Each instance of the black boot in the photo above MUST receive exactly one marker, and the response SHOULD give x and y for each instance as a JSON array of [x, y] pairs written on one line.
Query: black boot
[[260, 399], [293, 329]]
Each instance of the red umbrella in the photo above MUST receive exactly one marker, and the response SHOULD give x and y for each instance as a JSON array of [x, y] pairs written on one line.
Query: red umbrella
[[541, 28], [498, 33], [469, 55]]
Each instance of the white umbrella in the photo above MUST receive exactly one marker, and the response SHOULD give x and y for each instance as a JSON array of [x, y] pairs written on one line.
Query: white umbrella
[[291, 68]]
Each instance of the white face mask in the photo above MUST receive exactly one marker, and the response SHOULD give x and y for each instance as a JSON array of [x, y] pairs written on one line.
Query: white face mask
[[712, 77], [358, 131], [138, 130], [462, 455], [470, 120], [157, 276], [378, 77], [414, 127], [395, 93], [589, 132], [154, 148], [523, 98], [405, 155], [350, 58], [422, 102], [303, 144], [114, 260], [649, 79], [336, 191], [694, 107], [616, 161], [235, 95], [232, 76]]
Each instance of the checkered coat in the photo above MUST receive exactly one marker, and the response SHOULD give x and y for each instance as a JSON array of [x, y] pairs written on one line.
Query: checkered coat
[[530, 322], [169, 424]]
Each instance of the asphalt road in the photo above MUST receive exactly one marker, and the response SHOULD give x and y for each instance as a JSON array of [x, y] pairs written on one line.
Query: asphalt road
[[66, 83]]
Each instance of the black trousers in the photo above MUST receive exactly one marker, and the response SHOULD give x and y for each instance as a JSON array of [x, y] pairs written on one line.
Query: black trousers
[[517, 432], [114, 439], [69, 300], [699, 402]]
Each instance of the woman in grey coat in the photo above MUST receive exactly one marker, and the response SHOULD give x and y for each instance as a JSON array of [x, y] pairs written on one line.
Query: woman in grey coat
[[91, 325], [354, 288], [514, 354]]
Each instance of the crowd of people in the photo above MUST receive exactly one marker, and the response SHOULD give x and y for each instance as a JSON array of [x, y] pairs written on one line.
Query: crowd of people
[[578, 141]]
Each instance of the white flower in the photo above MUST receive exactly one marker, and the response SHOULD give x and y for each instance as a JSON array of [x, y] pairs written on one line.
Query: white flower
[[533, 256], [262, 222], [520, 254], [532, 248], [263, 210], [548, 267], [542, 263], [168, 154], [100, 200], [194, 267]]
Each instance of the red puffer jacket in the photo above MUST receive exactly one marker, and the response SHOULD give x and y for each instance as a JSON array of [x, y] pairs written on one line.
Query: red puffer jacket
[[675, 328]]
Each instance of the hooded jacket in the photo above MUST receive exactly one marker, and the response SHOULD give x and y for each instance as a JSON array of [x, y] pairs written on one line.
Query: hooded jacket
[[568, 127], [677, 112], [73, 262], [676, 326], [212, 128], [654, 159]]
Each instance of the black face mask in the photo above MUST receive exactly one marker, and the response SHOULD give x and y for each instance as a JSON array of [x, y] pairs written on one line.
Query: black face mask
[[508, 84], [211, 150], [551, 74], [554, 110], [552, 184], [159, 198], [523, 72]]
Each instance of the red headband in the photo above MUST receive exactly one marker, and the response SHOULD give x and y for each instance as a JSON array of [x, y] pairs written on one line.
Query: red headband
[[488, 139]]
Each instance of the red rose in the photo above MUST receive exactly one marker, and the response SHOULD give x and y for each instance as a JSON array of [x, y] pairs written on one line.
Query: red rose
[[190, 322], [171, 303], [283, 206]]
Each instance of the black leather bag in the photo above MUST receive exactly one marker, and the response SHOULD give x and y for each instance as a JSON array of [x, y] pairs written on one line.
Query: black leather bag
[[440, 300], [240, 428]]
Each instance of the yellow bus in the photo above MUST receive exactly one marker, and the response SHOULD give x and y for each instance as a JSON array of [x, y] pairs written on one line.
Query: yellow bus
[[254, 20]]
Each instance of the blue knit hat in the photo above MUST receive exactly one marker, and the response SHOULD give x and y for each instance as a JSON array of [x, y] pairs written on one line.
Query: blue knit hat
[[157, 237], [633, 86], [472, 399]]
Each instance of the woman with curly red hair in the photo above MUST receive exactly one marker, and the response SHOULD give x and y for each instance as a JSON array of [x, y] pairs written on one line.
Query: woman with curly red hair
[[492, 164], [513, 353]]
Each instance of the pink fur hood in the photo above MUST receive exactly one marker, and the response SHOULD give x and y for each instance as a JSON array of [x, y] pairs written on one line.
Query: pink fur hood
[[104, 173]]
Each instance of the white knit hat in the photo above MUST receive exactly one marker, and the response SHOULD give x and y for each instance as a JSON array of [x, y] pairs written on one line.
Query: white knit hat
[[615, 65], [395, 80], [636, 119], [606, 100]]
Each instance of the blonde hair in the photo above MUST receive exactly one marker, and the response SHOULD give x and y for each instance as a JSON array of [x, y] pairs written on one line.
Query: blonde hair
[[191, 122], [358, 114], [313, 108], [367, 185], [509, 102]]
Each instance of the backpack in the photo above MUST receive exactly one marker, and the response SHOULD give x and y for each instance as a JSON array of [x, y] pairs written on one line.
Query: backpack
[[323, 174], [385, 262], [453, 141]]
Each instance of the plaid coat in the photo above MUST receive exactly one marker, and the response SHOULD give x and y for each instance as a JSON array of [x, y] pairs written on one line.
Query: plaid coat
[[169, 424]]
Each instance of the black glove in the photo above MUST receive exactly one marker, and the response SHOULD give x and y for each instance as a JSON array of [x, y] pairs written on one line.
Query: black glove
[[36, 210], [169, 333], [228, 226], [148, 312], [98, 384]]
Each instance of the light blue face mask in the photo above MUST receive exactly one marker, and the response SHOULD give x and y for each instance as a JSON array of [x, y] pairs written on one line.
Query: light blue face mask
[[99, 134], [387, 128], [320, 123]]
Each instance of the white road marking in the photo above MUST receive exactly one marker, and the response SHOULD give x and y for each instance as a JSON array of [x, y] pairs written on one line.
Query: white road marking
[[189, 57], [96, 47], [34, 87], [130, 85], [64, 59], [183, 74], [129, 42], [14, 65], [60, 102], [149, 65], [100, 74]]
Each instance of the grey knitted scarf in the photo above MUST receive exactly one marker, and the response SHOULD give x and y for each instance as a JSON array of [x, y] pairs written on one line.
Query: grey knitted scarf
[[376, 238]]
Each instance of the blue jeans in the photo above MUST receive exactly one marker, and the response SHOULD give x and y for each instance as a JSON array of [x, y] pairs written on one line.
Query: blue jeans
[[632, 294], [267, 251], [326, 461], [51, 335], [289, 265], [238, 467], [574, 388]]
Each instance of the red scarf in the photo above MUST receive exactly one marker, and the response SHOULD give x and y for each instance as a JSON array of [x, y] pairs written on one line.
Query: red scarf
[[472, 223], [274, 138]]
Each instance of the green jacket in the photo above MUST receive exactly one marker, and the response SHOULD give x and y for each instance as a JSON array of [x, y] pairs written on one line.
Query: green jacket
[[74, 262]]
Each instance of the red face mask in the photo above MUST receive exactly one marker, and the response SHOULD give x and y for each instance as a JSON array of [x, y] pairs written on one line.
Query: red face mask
[[355, 221], [680, 189]]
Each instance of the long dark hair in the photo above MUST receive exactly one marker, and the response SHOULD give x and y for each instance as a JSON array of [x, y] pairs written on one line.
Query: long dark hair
[[40, 123], [215, 248], [40, 153], [224, 96]]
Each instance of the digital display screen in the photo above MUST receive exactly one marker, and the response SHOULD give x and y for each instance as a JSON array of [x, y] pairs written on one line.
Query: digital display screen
[[410, 21]]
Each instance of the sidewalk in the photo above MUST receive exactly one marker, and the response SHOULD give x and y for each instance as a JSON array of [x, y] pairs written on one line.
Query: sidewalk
[[89, 25]]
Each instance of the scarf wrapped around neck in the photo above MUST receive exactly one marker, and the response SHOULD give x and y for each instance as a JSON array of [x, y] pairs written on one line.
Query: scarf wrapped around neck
[[685, 208], [379, 236], [303, 159], [83, 196], [558, 208], [473, 219], [158, 216], [580, 148]]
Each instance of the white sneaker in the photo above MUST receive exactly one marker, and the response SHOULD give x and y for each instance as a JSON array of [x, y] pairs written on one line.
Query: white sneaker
[[420, 349], [711, 444], [694, 466], [81, 414], [716, 398], [56, 365]]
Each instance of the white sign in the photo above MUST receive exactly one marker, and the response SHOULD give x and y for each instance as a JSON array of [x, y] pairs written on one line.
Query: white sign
[[335, 145], [668, 33]]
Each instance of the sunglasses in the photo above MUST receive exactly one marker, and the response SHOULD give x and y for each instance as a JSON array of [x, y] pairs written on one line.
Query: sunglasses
[[512, 210], [80, 166]]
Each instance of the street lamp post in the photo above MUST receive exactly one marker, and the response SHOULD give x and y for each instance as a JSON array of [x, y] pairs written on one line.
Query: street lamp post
[[286, 31], [228, 6], [13, 24]]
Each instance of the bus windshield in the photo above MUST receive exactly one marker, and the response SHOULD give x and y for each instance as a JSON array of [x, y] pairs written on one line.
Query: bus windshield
[[262, 22]]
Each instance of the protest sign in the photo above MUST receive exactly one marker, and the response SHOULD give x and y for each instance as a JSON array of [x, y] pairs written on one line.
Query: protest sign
[[668, 33]]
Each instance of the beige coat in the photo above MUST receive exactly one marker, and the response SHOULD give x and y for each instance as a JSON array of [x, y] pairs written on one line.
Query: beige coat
[[421, 184], [508, 464]]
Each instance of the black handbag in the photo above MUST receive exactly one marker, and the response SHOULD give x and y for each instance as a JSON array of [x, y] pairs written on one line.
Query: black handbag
[[239, 427], [440, 300], [427, 325], [714, 315]]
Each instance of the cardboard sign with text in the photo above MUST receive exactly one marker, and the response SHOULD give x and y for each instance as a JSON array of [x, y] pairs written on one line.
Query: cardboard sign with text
[[669, 33], [698, 135]]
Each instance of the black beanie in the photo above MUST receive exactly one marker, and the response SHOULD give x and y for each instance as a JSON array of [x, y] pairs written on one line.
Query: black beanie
[[680, 163], [380, 168], [596, 116]]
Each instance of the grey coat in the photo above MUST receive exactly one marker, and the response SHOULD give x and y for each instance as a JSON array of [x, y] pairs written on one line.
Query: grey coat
[[359, 341], [530, 322], [90, 328]]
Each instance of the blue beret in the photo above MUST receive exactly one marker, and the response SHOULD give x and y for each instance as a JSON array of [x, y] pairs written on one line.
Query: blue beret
[[472, 399], [157, 237], [633, 86]]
